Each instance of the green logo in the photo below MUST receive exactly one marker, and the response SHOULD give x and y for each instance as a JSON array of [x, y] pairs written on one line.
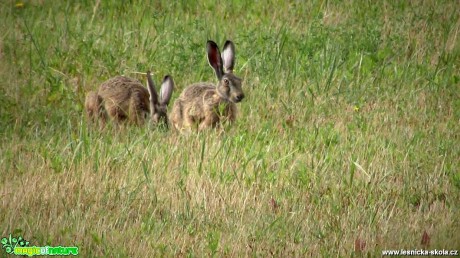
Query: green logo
[[10, 243], [20, 246]]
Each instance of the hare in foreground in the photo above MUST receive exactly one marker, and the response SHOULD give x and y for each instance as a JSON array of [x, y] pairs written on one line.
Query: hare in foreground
[[125, 99], [206, 104]]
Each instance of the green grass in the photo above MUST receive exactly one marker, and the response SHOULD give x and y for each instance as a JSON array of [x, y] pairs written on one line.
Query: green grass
[[346, 144]]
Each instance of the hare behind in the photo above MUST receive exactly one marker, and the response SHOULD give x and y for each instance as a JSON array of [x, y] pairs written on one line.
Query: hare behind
[[205, 105], [125, 99]]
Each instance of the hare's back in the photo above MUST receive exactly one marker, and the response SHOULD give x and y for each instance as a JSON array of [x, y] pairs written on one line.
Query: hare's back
[[121, 88], [198, 90]]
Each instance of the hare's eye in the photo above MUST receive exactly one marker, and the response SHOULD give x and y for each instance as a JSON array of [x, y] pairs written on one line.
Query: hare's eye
[[226, 82]]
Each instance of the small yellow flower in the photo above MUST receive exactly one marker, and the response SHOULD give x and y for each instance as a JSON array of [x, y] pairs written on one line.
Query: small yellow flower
[[19, 5], [356, 108]]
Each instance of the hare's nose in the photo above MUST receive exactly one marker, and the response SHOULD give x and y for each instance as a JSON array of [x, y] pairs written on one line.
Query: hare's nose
[[239, 97]]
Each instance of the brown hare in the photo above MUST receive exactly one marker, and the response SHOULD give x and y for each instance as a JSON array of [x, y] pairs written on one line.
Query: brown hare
[[125, 99], [204, 104]]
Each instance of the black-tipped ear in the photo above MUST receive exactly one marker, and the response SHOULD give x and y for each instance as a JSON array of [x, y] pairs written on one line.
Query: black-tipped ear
[[151, 88], [167, 88], [214, 59], [228, 56]]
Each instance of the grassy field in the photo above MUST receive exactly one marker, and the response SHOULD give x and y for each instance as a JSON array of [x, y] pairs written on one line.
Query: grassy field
[[347, 143]]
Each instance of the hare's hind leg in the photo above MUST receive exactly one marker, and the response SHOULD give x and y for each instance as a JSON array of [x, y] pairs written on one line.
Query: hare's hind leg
[[192, 118], [177, 116], [91, 106], [211, 119], [102, 115], [95, 110], [138, 109], [115, 111]]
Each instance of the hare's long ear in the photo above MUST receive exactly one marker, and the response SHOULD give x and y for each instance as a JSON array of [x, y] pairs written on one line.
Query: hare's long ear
[[228, 56], [152, 92], [214, 58], [167, 88]]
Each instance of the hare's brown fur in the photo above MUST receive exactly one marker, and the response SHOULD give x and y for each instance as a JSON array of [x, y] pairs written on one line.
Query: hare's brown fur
[[205, 105], [200, 106], [124, 99]]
